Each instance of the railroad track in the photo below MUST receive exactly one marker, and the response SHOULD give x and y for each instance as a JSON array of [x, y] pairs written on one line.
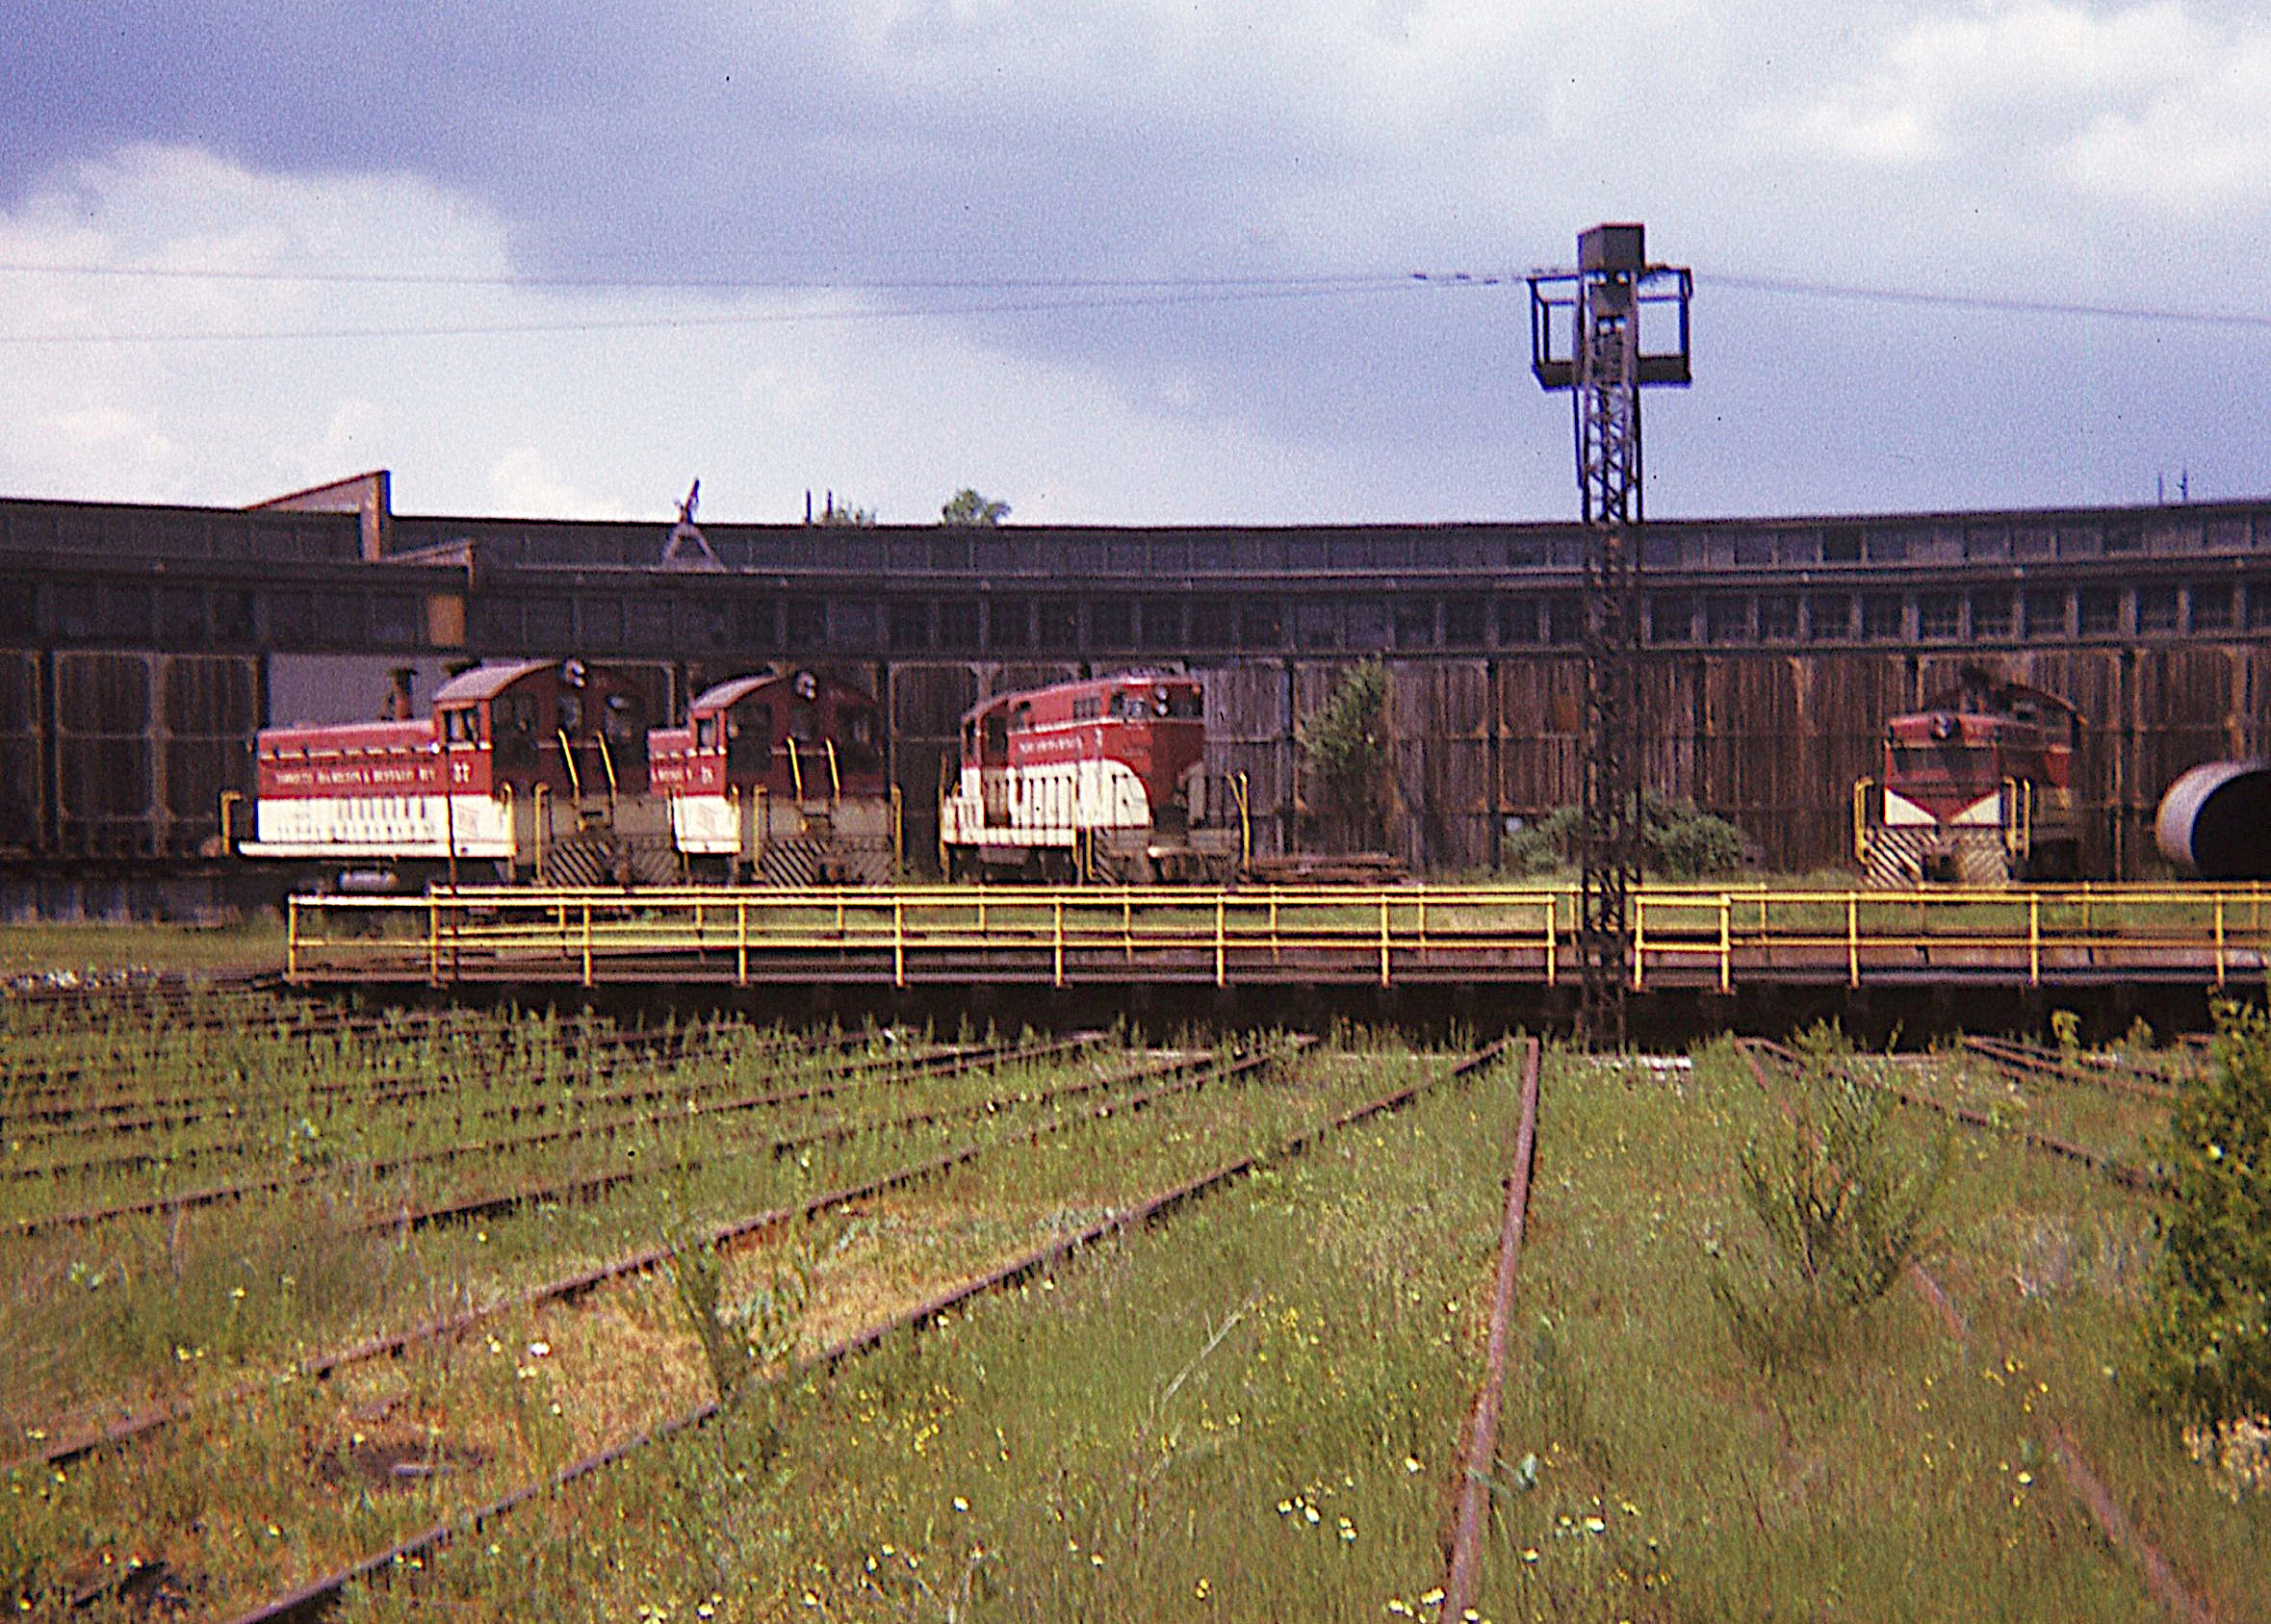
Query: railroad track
[[2119, 1172], [2032, 1062], [1463, 1566], [318, 1597], [671, 1084], [1172, 1076], [2086, 1484], [55, 1102], [385, 1166]]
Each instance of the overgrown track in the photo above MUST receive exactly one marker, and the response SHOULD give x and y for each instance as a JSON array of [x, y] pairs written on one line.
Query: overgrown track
[[2102, 1073], [316, 1598], [59, 1103], [687, 1093], [563, 1191], [1471, 1499], [2119, 1172], [2082, 1479], [384, 1167], [1173, 1076]]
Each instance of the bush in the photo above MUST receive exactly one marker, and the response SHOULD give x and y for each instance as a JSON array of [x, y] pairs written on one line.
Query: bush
[[1678, 840], [2206, 1357], [1842, 1207]]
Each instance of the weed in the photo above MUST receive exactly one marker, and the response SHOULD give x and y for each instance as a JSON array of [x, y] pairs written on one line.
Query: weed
[[1842, 1205], [2206, 1341]]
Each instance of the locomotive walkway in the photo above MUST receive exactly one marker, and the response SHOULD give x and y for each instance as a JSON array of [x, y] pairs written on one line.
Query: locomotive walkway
[[1701, 938]]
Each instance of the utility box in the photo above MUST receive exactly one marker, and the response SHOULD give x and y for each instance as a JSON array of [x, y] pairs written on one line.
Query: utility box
[[1613, 248]]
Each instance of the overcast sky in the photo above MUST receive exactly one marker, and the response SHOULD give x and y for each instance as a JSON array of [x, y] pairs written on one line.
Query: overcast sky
[[1120, 261]]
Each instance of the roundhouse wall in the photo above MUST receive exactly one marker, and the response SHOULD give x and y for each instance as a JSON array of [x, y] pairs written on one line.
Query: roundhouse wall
[[141, 646]]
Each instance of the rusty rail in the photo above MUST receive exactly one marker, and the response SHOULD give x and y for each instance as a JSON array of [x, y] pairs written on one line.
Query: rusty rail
[[1188, 1075], [2120, 1172], [2087, 1486], [213, 1194], [2013, 1057], [1463, 1568], [316, 1598]]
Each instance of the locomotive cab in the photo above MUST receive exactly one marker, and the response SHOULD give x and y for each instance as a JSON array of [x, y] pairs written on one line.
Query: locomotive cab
[[1976, 788], [1102, 779], [781, 774]]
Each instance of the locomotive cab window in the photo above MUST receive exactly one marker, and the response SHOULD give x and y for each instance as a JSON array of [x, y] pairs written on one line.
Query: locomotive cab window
[[461, 727], [856, 728], [706, 732], [749, 742], [1185, 704]]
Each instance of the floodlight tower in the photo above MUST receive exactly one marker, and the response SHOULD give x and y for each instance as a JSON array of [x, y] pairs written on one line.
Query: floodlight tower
[[1586, 336]]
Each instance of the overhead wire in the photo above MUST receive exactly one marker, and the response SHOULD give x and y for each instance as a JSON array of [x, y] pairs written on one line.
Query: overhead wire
[[1023, 296]]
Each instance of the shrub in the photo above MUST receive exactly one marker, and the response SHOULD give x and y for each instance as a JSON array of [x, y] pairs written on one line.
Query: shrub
[[738, 1340], [1842, 1207], [1678, 840], [2206, 1356]]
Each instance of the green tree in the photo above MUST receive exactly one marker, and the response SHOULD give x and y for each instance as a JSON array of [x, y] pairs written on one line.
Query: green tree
[[2206, 1333], [1344, 748], [967, 506]]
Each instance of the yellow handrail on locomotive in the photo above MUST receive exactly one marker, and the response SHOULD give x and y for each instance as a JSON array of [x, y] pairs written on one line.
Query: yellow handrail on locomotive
[[228, 799], [835, 780], [2019, 822], [568, 758], [1861, 788], [1244, 820], [898, 834], [795, 771], [536, 816]]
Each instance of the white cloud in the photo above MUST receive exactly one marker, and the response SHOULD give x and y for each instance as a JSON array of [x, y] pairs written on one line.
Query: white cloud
[[584, 418], [2145, 105]]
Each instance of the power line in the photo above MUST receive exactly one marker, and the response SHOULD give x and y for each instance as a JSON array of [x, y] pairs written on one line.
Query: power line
[[1326, 280], [1065, 294], [734, 318], [1988, 302]]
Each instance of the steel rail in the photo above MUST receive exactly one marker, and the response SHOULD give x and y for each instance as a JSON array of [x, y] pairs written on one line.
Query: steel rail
[[213, 1194], [668, 1081], [2121, 1173], [316, 1598], [590, 1186], [1189, 1073], [661, 1046], [1463, 1559], [2012, 1057], [2080, 1477]]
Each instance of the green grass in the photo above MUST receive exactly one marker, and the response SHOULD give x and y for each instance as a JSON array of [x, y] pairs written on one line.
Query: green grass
[[1249, 1411], [254, 943]]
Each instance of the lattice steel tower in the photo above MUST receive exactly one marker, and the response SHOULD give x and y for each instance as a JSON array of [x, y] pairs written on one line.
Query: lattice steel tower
[[1587, 335]]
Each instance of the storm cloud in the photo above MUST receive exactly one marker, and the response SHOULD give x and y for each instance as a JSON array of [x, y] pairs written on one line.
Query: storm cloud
[[2038, 152]]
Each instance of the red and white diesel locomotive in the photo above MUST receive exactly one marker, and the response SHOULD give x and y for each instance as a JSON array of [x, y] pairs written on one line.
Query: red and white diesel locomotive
[[1978, 788], [1102, 779], [548, 771]]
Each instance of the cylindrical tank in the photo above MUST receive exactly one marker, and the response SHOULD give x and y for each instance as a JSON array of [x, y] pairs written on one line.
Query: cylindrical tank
[[2215, 821]]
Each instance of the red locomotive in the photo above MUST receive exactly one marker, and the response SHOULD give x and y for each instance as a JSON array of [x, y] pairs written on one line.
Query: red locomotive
[[1102, 779], [1977, 789], [548, 771]]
